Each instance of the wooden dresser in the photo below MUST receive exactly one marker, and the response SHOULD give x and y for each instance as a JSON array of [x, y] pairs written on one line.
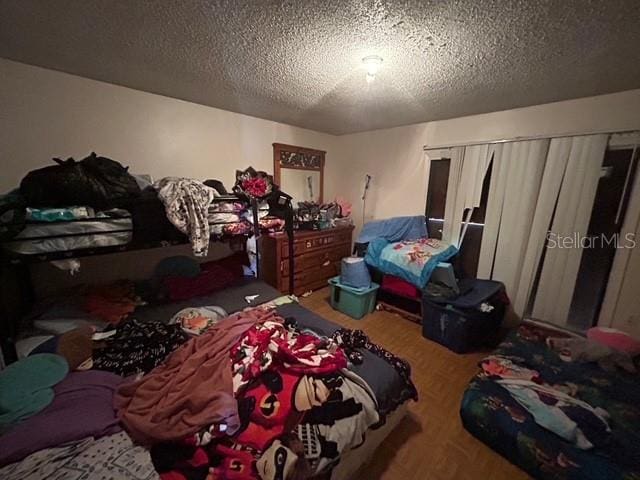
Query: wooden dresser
[[316, 254]]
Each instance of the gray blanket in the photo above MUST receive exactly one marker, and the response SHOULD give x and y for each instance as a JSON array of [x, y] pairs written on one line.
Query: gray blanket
[[112, 457]]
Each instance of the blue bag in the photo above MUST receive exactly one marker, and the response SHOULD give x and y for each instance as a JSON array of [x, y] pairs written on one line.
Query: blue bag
[[354, 273]]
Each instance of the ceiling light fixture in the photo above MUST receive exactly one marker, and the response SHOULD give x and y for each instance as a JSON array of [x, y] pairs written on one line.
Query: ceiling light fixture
[[372, 63]]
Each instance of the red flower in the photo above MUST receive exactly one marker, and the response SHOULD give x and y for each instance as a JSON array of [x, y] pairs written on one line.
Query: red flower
[[256, 187]]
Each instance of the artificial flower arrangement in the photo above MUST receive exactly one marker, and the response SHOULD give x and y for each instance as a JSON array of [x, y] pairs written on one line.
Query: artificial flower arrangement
[[253, 183]]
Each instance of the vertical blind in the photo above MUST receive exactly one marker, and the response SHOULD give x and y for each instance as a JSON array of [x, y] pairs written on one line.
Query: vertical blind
[[538, 187]]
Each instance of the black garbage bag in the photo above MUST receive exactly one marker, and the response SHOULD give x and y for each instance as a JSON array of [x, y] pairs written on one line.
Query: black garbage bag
[[98, 182], [217, 185], [12, 215]]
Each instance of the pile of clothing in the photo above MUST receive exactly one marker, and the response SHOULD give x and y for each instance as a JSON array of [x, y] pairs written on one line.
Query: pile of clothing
[[112, 303], [555, 406], [311, 215], [97, 330], [227, 219], [248, 396], [190, 207], [44, 405], [551, 406], [70, 191]]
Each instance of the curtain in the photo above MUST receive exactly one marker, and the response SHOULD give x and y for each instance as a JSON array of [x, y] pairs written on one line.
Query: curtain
[[516, 177], [554, 171], [467, 170], [583, 156], [536, 185]]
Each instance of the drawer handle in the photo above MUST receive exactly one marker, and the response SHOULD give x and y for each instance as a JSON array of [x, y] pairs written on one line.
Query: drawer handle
[[327, 263]]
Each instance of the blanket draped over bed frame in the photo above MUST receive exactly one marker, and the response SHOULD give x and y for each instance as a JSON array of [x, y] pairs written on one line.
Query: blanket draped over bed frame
[[411, 260]]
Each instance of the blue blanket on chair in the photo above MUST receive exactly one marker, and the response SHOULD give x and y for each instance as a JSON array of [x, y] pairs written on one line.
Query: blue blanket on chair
[[413, 260], [394, 229]]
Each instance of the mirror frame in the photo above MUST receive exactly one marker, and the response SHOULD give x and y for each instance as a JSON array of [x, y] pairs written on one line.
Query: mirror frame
[[298, 158]]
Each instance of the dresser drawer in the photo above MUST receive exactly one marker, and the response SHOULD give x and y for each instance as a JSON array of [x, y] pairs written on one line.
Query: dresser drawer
[[323, 240], [316, 259], [322, 272], [313, 278], [317, 256], [313, 285]]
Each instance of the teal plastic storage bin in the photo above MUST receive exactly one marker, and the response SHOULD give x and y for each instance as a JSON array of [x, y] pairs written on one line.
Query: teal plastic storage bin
[[355, 302]]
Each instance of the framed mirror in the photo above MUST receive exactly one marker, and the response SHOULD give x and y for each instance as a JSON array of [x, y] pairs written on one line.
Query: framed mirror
[[299, 172]]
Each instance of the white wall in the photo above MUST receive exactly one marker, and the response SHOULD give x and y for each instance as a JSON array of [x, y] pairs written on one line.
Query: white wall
[[395, 159], [45, 114]]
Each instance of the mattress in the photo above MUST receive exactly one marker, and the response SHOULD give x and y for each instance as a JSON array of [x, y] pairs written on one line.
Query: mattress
[[492, 415], [231, 299], [107, 229], [387, 385], [384, 380], [411, 260], [353, 460]]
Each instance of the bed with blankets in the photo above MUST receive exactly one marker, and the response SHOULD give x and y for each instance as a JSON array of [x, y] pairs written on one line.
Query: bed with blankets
[[555, 418], [400, 247], [73, 208], [237, 383], [142, 221]]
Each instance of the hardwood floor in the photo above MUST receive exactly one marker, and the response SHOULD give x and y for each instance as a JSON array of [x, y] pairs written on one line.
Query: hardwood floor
[[430, 443]]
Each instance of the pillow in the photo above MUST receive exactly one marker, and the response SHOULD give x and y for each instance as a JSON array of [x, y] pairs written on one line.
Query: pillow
[[76, 346], [615, 339], [177, 266], [25, 346], [59, 315], [195, 321], [26, 387], [59, 326]]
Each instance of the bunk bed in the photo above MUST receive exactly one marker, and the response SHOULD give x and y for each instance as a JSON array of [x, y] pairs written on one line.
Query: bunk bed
[[233, 219], [377, 382]]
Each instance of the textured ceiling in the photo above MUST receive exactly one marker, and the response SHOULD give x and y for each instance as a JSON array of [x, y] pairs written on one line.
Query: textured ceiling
[[299, 62]]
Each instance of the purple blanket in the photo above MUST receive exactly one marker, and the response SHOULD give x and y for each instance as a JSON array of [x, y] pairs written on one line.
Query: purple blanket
[[82, 407]]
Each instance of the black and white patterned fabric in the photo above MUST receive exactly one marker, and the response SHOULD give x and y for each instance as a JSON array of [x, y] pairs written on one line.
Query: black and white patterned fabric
[[187, 204], [351, 340], [340, 424], [138, 347], [108, 458]]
